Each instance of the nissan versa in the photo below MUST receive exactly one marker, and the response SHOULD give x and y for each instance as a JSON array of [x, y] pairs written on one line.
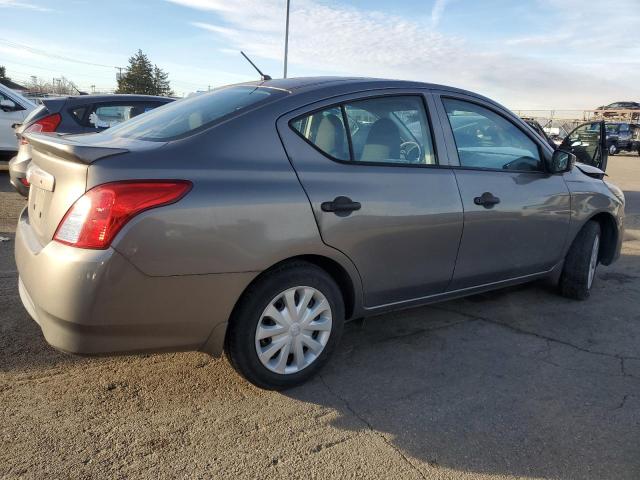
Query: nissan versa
[[257, 218]]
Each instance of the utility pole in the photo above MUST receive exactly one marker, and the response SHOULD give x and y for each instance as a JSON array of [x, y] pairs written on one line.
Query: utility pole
[[286, 41]]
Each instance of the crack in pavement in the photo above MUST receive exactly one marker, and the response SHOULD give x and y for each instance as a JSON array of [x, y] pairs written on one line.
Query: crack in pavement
[[624, 400], [369, 426], [522, 331], [421, 331]]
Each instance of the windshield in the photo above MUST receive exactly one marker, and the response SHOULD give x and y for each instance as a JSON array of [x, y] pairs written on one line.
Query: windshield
[[613, 128], [184, 117]]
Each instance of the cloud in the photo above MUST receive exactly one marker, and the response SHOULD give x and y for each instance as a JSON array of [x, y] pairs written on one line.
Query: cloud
[[18, 4], [436, 12], [339, 39]]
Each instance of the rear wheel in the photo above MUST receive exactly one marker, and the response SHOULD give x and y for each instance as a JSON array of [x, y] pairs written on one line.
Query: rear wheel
[[286, 326], [580, 265]]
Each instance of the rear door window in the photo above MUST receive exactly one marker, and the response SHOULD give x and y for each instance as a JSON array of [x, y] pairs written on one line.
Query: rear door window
[[78, 114], [381, 130], [325, 130], [390, 130]]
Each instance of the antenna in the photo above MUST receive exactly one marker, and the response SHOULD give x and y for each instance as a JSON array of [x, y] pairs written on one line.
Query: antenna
[[286, 41], [263, 77]]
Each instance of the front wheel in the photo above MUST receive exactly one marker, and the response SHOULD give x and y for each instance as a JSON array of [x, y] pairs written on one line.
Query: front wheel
[[286, 326], [580, 265], [613, 149]]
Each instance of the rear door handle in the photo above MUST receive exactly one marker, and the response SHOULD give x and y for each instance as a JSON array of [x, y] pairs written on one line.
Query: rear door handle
[[487, 200], [341, 206]]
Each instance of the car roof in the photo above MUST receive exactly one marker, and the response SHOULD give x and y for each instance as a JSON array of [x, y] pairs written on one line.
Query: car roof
[[325, 84], [83, 99]]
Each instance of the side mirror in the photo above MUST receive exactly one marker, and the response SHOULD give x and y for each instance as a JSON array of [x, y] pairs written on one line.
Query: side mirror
[[561, 162], [7, 105]]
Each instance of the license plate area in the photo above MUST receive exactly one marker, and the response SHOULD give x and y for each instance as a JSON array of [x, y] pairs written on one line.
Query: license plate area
[[37, 203]]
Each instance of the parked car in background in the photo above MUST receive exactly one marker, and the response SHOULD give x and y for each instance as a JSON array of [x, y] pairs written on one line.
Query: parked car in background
[[624, 111], [259, 217], [619, 136], [635, 139], [533, 123], [78, 114], [13, 109], [621, 106]]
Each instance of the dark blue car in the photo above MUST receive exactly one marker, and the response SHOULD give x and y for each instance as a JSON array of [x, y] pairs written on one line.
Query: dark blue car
[[78, 114]]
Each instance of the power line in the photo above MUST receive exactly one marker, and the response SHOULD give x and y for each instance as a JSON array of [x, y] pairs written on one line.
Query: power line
[[45, 69], [52, 55], [38, 51]]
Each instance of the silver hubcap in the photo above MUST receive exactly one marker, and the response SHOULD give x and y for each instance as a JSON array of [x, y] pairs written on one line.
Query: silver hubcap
[[293, 330], [612, 149], [593, 262]]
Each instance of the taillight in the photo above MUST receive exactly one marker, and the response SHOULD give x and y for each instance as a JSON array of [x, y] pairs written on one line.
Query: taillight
[[95, 218], [45, 124], [25, 182]]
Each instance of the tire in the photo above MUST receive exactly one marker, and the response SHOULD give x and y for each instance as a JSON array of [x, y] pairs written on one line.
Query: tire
[[581, 262], [613, 149], [293, 281]]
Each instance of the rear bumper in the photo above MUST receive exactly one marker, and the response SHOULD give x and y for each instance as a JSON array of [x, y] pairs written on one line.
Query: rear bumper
[[17, 184], [97, 302], [18, 169]]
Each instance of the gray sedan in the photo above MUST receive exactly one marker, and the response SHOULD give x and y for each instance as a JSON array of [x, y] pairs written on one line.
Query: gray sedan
[[258, 218]]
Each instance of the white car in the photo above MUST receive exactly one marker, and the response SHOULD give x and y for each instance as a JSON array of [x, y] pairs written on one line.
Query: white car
[[13, 109]]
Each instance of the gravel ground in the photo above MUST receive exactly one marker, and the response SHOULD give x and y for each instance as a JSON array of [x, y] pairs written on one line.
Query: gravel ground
[[514, 384]]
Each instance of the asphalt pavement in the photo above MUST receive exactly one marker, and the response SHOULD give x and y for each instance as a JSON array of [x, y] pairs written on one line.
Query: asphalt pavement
[[518, 383]]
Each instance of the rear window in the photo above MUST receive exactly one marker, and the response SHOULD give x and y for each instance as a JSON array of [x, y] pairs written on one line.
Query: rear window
[[184, 117]]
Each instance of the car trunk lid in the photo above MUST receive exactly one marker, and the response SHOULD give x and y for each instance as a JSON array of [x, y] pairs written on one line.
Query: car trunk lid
[[58, 177]]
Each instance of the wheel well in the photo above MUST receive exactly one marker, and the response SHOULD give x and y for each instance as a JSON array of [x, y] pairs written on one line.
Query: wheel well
[[339, 275], [335, 271], [609, 236]]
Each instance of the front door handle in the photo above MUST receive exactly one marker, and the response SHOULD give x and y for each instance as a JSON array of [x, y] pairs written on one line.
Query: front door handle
[[341, 206], [487, 200]]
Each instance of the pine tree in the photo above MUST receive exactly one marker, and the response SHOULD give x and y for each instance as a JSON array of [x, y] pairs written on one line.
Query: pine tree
[[142, 77], [3, 72], [161, 82]]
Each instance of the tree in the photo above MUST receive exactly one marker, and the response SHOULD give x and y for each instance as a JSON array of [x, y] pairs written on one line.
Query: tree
[[3, 72], [58, 86], [161, 82], [142, 77]]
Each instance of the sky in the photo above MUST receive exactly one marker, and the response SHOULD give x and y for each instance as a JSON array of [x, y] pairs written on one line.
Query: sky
[[526, 54]]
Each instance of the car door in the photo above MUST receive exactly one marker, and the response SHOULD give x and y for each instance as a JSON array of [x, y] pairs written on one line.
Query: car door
[[516, 216], [624, 139], [9, 116], [378, 191], [588, 142]]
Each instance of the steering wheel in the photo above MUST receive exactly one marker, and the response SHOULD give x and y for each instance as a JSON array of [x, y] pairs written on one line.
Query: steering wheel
[[411, 151]]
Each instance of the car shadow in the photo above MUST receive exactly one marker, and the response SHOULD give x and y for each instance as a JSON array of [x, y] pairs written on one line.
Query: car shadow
[[515, 382]]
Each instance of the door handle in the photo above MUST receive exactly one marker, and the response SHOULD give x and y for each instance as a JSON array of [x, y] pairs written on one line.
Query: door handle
[[487, 200], [341, 206]]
